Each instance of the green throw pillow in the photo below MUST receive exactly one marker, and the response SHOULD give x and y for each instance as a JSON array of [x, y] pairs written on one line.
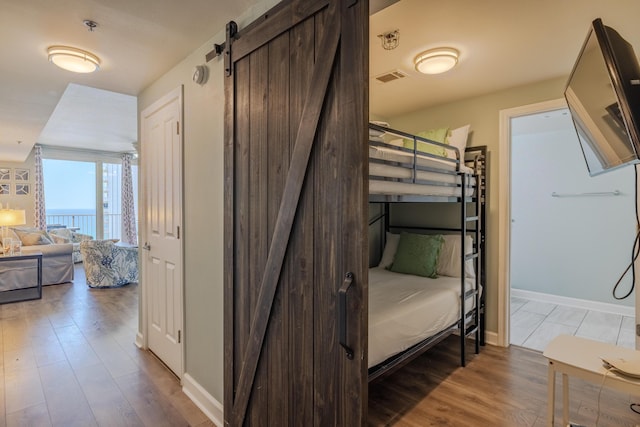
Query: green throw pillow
[[437, 135], [417, 254]]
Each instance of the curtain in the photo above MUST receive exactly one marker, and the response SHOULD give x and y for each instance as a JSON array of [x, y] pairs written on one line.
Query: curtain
[[129, 233], [40, 217]]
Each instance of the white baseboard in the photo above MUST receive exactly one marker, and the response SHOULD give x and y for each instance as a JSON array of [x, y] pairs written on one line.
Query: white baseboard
[[575, 302], [139, 340], [491, 338], [203, 400]]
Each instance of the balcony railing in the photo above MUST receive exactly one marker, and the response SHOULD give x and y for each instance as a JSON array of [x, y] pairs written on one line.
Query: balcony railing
[[86, 224]]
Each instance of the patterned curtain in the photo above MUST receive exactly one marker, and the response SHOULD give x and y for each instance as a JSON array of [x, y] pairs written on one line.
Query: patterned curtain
[[40, 214], [129, 233]]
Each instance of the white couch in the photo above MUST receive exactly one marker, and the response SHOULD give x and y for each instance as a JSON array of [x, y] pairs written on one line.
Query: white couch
[[57, 262], [64, 235]]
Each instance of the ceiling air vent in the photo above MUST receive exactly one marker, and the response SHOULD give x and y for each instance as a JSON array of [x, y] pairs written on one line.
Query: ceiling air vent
[[391, 76]]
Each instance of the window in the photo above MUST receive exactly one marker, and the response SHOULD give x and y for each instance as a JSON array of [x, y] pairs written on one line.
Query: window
[[111, 200], [86, 195], [70, 194]]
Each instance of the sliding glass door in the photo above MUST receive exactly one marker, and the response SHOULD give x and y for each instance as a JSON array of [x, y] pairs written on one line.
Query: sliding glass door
[[70, 194], [86, 195]]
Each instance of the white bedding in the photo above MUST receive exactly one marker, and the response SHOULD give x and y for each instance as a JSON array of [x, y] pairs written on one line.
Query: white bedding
[[378, 186], [393, 155], [406, 309], [406, 189]]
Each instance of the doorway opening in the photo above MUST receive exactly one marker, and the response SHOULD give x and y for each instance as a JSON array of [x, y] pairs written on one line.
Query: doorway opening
[[563, 259]]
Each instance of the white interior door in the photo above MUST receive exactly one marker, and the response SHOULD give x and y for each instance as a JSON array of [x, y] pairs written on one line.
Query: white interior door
[[162, 254]]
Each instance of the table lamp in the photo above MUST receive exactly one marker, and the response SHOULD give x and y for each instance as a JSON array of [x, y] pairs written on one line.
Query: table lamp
[[10, 217]]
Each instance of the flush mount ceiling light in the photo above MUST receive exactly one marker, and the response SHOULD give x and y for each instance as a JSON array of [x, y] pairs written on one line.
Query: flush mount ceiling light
[[436, 61], [73, 59]]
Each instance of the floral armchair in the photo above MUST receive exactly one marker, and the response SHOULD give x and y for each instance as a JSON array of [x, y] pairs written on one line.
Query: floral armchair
[[64, 235], [107, 264]]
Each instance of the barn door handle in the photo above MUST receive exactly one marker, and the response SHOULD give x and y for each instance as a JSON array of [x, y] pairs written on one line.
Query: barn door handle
[[342, 313]]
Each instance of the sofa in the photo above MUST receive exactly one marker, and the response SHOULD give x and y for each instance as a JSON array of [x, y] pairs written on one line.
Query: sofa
[[65, 235], [57, 261]]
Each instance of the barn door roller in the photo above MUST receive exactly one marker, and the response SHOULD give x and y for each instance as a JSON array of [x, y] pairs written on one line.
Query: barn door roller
[[219, 49]]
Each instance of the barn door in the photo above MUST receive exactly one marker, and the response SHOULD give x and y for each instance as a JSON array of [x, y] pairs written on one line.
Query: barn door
[[295, 216]]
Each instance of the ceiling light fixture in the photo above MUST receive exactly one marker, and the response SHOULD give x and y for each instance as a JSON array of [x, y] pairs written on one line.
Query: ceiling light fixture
[[436, 61], [73, 59]]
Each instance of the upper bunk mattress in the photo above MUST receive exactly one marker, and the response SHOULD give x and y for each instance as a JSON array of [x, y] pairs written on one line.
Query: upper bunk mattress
[[393, 155], [440, 181], [406, 309]]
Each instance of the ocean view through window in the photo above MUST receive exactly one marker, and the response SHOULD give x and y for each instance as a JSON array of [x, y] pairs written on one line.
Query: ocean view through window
[[85, 196], [70, 194]]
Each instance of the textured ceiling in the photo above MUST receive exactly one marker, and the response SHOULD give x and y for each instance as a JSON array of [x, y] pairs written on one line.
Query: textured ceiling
[[503, 43], [137, 41], [93, 119]]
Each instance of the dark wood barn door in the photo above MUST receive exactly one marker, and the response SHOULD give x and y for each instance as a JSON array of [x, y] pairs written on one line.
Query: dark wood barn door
[[295, 216]]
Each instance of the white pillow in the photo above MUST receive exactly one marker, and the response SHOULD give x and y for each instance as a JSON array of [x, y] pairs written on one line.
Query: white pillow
[[449, 260], [377, 133], [458, 139], [379, 123], [390, 249]]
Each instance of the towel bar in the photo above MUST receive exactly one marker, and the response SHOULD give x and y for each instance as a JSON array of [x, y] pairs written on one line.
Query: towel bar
[[596, 194]]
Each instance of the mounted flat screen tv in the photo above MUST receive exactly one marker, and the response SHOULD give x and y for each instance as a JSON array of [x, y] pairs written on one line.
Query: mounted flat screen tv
[[603, 94]]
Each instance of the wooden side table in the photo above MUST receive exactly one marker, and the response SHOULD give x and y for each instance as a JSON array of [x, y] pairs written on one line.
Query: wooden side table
[[581, 358], [23, 294]]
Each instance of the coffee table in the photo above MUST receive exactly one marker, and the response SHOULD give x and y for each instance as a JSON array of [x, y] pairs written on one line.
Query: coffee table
[[23, 294]]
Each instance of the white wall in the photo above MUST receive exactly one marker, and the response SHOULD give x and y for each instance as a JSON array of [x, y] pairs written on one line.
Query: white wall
[[203, 205], [28, 202], [569, 246]]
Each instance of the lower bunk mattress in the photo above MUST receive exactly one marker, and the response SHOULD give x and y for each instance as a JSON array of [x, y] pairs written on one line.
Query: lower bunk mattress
[[406, 309]]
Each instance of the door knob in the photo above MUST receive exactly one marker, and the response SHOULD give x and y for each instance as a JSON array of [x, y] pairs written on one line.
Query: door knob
[[147, 246]]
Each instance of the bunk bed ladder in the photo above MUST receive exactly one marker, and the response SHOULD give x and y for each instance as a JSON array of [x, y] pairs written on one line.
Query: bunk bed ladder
[[480, 168], [469, 323], [481, 188]]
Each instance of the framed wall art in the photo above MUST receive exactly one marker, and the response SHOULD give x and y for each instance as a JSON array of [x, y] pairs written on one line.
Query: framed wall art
[[23, 189], [21, 175]]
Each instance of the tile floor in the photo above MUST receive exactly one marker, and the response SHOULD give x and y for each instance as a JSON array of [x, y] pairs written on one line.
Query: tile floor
[[534, 324]]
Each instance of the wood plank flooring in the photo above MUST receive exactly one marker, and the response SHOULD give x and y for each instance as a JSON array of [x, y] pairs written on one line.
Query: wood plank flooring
[[498, 387], [69, 359]]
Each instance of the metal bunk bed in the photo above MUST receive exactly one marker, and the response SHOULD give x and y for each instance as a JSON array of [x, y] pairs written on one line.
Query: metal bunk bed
[[416, 177]]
